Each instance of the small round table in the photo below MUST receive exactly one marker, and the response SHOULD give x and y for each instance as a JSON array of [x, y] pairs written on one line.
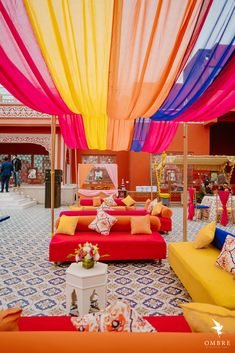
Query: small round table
[[86, 283]]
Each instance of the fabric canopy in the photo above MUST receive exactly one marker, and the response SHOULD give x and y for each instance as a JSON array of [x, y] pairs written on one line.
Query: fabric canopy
[[217, 45], [104, 67]]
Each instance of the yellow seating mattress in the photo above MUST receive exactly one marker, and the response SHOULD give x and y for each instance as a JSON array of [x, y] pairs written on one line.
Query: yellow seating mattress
[[196, 269]]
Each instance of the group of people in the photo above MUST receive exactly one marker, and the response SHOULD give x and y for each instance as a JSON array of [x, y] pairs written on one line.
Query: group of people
[[222, 183], [9, 168]]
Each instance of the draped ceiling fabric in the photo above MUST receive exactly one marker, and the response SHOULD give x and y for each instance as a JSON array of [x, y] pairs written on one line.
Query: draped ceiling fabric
[[75, 38], [153, 136], [217, 45], [23, 70], [148, 44], [217, 100], [104, 64]]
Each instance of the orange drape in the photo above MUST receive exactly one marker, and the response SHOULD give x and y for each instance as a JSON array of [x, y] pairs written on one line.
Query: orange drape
[[83, 171], [149, 41], [120, 133]]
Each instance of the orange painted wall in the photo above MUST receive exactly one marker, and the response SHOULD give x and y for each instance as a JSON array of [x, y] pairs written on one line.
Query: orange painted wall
[[198, 140], [139, 167]]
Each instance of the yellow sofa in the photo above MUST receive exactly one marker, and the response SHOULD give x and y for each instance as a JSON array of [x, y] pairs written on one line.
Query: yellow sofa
[[196, 269]]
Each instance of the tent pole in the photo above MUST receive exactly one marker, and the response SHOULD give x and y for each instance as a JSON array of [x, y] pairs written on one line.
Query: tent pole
[[151, 175], [185, 191], [76, 171], [53, 133]]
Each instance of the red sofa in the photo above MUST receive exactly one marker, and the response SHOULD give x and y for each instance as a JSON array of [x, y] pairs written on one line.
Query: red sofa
[[119, 244], [63, 323]]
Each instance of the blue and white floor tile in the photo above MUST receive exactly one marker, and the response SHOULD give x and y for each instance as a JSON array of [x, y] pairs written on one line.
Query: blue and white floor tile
[[29, 281]]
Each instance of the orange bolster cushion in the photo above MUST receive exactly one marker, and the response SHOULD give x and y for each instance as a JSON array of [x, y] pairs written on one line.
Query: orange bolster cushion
[[9, 319], [123, 223], [166, 212]]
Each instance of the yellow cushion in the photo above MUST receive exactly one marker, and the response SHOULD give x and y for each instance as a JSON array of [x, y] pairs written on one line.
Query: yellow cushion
[[205, 236], [201, 317], [140, 225], [75, 208], [67, 225], [157, 209], [96, 201], [128, 201]]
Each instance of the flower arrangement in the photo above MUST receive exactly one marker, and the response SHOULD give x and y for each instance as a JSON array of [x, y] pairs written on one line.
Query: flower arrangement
[[88, 254]]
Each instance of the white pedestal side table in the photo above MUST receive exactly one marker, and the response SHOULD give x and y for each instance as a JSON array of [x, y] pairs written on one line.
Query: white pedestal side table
[[84, 282]]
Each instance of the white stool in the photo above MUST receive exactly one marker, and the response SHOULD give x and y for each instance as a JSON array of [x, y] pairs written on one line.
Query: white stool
[[84, 282]]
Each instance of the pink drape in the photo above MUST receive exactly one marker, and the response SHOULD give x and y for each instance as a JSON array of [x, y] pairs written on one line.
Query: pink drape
[[191, 204], [72, 129], [160, 136], [112, 172], [217, 100], [224, 195], [23, 71]]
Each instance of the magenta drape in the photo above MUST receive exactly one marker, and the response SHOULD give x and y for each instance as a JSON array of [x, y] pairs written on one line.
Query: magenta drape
[[72, 130], [224, 195], [24, 74], [159, 136], [191, 204], [218, 99]]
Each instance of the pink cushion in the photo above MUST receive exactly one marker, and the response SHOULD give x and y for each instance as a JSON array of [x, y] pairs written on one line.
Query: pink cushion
[[140, 212], [86, 202]]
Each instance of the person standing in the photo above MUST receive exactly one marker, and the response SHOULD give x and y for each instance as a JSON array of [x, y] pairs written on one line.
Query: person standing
[[16, 163], [6, 169]]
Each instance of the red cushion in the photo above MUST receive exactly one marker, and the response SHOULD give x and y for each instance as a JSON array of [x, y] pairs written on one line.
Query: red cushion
[[63, 323], [86, 202], [119, 202], [119, 245], [166, 224]]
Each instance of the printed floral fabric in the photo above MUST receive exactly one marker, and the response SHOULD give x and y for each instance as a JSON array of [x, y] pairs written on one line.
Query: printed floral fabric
[[102, 223], [103, 207], [109, 201], [152, 205], [226, 259], [117, 317]]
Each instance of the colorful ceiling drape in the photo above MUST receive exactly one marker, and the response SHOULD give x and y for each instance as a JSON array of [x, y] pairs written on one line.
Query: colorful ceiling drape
[[218, 99], [101, 65], [75, 38], [23, 70], [217, 45]]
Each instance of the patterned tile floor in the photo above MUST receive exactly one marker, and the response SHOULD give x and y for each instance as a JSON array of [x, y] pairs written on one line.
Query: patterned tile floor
[[28, 280]]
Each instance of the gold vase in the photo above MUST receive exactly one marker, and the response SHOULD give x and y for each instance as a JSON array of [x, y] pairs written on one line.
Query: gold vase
[[88, 263]]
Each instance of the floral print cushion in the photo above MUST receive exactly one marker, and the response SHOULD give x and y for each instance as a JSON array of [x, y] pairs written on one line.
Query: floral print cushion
[[117, 317], [109, 201], [226, 259], [102, 223]]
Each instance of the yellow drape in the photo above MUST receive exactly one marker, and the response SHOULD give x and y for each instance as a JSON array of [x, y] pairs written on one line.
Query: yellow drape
[[75, 37]]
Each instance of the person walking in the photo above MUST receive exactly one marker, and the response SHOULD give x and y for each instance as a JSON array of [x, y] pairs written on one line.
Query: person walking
[[6, 169], [16, 163]]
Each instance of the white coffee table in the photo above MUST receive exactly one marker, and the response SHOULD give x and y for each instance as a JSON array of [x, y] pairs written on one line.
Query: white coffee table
[[84, 282]]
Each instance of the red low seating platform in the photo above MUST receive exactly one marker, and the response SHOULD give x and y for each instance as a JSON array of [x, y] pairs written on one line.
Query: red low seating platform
[[63, 323], [120, 244]]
